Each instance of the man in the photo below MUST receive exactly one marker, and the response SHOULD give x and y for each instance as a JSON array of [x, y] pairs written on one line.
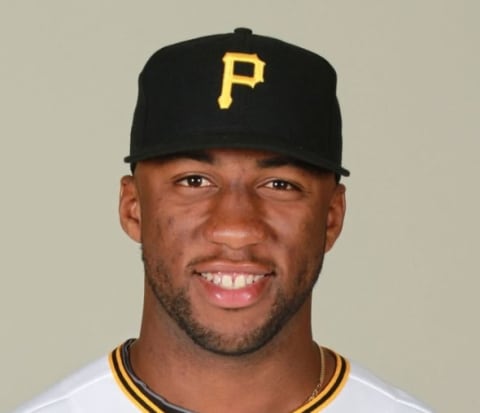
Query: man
[[234, 196]]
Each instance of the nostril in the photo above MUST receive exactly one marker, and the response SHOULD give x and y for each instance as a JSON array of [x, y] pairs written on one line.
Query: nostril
[[236, 234]]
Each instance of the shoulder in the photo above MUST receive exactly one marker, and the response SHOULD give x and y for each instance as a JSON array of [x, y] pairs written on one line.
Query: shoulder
[[367, 392], [77, 393]]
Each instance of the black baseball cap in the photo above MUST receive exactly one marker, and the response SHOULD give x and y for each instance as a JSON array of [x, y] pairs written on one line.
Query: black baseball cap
[[238, 90]]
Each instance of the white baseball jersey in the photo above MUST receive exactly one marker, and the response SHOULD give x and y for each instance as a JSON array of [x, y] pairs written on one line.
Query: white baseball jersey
[[109, 386]]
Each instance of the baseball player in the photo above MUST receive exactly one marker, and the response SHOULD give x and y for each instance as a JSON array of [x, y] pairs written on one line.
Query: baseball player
[[235, 197]]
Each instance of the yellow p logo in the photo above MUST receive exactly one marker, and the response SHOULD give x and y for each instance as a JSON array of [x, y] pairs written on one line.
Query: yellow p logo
[[230, 78]]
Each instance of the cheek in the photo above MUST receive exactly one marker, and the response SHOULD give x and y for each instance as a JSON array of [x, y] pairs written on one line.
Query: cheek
[[169, 229], [300, 228], [157, 218], [301, 238], [162, 237], [311, 241]]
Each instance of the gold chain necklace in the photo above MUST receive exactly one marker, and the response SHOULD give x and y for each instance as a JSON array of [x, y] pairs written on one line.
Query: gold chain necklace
[[321, 379]]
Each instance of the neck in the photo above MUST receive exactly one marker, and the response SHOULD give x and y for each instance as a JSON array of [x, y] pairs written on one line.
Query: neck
[[289, 361]]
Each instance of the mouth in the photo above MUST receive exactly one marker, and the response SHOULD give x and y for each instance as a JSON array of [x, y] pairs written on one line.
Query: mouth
[[232, 281], [233, 285]]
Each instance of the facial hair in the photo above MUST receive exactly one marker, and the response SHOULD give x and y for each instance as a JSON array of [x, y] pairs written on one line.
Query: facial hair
[[175, 302]]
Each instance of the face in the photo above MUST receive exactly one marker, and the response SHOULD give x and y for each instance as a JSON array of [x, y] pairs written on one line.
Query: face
[[232, 240]]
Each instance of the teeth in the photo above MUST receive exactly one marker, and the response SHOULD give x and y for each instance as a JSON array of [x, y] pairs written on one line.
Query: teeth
[[240, 281], [208, 276], [227, 282], [231, 282]]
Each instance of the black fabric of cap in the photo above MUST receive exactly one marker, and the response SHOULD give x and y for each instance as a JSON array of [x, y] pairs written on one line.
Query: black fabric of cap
[[294, 111]]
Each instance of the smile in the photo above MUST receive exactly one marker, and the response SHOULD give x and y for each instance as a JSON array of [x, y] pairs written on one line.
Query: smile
[[229, 281]]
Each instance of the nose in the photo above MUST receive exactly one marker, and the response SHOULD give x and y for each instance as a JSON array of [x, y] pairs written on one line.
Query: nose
[[236, 220]]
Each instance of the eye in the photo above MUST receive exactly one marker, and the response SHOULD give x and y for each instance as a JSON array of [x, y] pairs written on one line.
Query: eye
[[194, 181], [281, 185]]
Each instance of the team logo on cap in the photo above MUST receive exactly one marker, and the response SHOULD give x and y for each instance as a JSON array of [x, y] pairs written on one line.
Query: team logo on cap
[[230, 78]]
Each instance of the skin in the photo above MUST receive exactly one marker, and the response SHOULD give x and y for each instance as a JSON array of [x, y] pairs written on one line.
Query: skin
[[234, 212]]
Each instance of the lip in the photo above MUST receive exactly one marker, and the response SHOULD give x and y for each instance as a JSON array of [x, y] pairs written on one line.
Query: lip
[[237, 298], [228, 267], [233, 299]]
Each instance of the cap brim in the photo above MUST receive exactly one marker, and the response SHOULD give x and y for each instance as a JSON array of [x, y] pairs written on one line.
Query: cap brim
[[236, 142]]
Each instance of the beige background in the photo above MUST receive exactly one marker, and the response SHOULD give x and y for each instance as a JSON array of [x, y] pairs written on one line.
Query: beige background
[[398, 293]]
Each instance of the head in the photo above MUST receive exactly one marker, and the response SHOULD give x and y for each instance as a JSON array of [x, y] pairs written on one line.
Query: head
[[234, 196]]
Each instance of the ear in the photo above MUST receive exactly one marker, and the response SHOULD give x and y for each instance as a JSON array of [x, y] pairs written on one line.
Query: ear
[[335, 217], [129, 208]]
